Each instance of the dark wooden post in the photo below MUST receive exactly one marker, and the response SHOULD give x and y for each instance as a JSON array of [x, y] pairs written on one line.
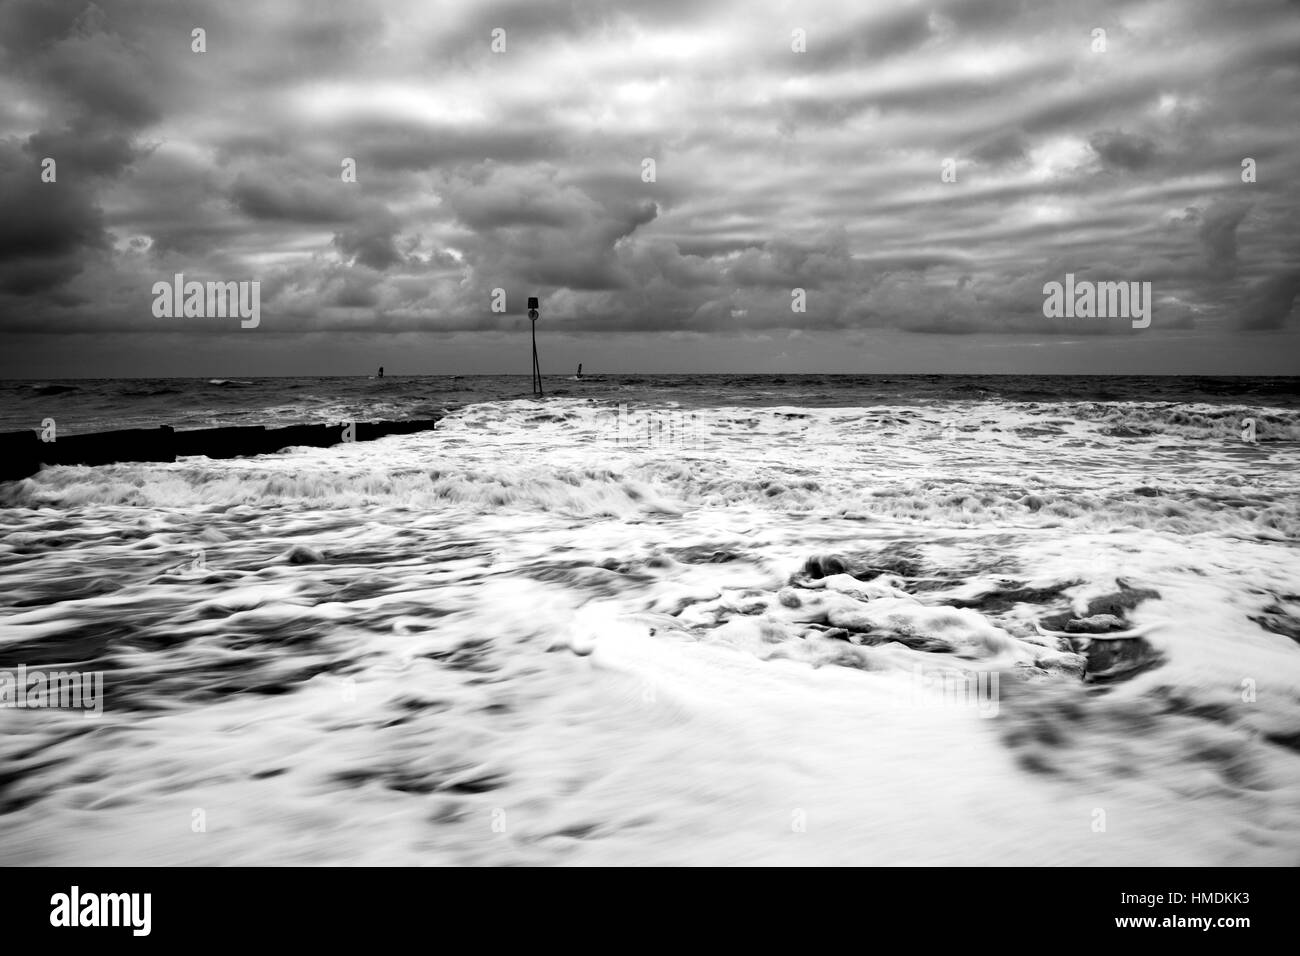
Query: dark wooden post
[[537, 368]]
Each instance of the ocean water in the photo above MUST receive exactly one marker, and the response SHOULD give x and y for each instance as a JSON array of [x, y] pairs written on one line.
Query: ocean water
[[665, 620], [87, 405]]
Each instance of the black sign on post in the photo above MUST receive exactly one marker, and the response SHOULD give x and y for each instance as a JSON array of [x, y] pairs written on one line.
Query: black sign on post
[[537, 369]]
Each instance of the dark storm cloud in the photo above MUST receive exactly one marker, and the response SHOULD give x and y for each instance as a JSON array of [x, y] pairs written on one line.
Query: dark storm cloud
[[357, 293], [579, 256], [45, 228], [775, 170], [1123, 150], [1271, 303], [72, 51], [882, 36], [373, 241], [1003, 146], [404, 147], [528, 21], [104, 77], [1218, 233], [98, 95], [320, 202], [83, 152], [494, 204]]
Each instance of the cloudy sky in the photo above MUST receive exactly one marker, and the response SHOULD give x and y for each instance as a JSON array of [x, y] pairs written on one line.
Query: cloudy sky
[[775, 169]]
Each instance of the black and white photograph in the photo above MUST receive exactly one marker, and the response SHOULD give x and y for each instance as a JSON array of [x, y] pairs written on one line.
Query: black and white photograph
[[644, 433]]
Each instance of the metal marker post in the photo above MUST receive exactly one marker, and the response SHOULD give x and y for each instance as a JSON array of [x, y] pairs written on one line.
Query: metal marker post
[[537, 368]]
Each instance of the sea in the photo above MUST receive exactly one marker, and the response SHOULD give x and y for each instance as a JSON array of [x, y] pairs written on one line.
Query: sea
[[661, 620]]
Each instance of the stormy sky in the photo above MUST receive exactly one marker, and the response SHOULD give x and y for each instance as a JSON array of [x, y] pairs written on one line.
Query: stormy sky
[[775, 169]]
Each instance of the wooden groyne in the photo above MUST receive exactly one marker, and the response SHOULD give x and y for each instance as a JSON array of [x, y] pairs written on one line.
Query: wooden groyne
[[23, 453]]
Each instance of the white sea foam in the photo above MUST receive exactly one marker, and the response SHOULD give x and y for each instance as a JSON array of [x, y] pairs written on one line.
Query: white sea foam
[[513, 640]]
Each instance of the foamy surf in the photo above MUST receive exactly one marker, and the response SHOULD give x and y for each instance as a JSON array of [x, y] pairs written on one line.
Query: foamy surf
[[773, 637]]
